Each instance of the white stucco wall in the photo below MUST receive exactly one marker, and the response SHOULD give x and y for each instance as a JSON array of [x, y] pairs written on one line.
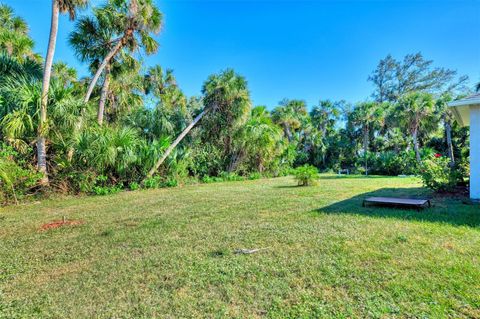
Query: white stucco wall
[[475, 152]]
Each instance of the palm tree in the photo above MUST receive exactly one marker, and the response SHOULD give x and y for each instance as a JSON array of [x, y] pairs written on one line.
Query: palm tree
[[367, 115], [446, 115], [289, 116], [260, 139], [163, 87], [134, 20], [413, 111], [12, 67], [64, 73], [477, 87], [175, 143], [14, 38], [225, 95], [92, 39], [58, 6]]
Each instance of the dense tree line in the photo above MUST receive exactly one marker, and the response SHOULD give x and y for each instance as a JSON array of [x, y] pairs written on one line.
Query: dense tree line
[[129, 125]]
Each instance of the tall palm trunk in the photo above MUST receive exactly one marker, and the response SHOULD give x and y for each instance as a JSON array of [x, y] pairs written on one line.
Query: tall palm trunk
[[448, 133], [415, 144], [287, 131], [41, 142], [174, 144], [105, 62], [103, 97], [366, 134]]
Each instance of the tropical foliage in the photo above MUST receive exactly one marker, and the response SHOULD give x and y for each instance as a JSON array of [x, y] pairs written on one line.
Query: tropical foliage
[[130, 125]]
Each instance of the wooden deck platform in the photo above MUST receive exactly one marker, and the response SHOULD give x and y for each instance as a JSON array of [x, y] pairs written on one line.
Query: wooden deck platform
[[393, 201]]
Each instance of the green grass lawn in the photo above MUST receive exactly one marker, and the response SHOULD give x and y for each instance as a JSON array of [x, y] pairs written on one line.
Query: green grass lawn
[[170, 253]]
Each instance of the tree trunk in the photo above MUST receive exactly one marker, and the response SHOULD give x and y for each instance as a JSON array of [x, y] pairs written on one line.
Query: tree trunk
[[288, 132], [448, 133], [366, 133], [174, 144], [41, 142], [236, 160], [102, 66], [103, 97], [415, 145]]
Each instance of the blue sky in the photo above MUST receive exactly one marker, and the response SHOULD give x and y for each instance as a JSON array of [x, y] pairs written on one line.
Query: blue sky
[[294, 49]]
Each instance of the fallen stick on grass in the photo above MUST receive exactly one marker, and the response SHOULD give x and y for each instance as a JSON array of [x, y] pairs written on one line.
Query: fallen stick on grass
[[249, 251]]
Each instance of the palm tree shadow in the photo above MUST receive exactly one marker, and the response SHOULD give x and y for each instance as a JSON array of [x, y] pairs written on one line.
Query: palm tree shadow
[[452, 211]]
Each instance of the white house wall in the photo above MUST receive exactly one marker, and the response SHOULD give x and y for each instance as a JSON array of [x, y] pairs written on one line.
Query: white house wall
[[475, 152]]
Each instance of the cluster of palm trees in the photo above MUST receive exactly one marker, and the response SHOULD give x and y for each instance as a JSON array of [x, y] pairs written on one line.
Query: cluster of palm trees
[[118, 25], [129, 123]]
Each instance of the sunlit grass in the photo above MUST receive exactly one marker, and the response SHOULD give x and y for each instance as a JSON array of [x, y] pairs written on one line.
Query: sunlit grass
[[170, 253]]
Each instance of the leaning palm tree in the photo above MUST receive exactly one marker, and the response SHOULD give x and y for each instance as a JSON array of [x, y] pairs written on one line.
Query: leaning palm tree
[[91, 40], [58, 6], [134, 21], [226, 94]]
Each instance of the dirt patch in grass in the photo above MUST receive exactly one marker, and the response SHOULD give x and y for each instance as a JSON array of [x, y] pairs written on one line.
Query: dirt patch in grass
[[60, 223]]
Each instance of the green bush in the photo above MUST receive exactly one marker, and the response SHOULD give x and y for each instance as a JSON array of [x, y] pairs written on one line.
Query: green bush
[[153, 182], [15, 181], [103, 187], [83, 181], [207, 179], [171, 182], [438, 175], [306, 175], [134, 186], [231, 177], [254, 176]]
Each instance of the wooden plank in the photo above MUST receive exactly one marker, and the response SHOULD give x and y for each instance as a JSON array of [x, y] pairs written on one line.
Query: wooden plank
[[397, 201], [393, 200]]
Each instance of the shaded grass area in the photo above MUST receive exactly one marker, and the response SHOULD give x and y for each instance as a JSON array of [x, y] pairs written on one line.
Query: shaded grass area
[[170, 253]]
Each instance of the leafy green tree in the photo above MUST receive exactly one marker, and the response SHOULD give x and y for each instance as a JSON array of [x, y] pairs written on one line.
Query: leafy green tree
[[393, 78]]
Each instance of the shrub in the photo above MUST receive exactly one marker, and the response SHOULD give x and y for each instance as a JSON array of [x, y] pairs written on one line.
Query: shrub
[[15, 181], [153, 182], [438, 175], [231, 177], [102, 186], [254, 176], [390, 163], [83, 182], [134, 186], [171, 182], [207, 179], [306, 175]]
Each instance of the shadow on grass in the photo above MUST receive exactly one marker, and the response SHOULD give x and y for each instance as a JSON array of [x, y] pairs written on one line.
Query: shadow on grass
[[352, 176], [444, 210]]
